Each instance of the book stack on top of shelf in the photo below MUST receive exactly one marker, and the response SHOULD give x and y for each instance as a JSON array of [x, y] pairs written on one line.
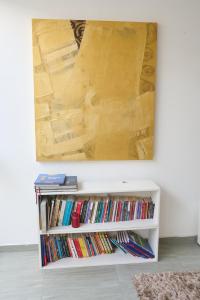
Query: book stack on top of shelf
[[55, 247], [56, 211], [46, 183]]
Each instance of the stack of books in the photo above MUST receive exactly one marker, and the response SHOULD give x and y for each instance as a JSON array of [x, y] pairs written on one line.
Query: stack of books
[[132, 243], [55, 247], [56, 211], [46, 183]]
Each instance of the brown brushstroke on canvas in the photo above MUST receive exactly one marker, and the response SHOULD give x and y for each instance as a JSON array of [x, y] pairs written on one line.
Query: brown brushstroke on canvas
[[94, 99], [78, 27]]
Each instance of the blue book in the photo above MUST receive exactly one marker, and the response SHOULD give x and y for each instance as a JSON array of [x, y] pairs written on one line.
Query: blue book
[[58, 247], [118, 245], [138, 211], [146, 249], [46, 179], [68, 218], [102, 211], [42, 250], [134, 251], [64, 221], [99, 211]]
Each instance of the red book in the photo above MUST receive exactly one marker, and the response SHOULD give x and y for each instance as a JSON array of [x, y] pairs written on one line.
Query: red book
[[146, 211], [143, 210], [119, 209], [78, 247], [79, 207], [131, 210]]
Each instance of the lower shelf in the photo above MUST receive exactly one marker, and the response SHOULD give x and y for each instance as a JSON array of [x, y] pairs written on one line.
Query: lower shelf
[[116, 258]]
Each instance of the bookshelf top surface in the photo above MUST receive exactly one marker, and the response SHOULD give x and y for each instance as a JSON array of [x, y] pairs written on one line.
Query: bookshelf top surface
[[95, 187]]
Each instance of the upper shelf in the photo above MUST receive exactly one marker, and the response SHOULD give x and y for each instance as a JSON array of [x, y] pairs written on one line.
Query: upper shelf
[[102, 187]]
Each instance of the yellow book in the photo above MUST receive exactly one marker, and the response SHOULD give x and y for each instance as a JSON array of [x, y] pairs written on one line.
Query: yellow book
[[102, 242], [83, 247]]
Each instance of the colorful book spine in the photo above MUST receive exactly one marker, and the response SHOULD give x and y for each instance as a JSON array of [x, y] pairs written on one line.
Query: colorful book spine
[[64, 221]]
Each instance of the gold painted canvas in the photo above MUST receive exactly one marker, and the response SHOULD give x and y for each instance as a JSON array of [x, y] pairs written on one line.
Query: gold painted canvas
[[94, 87]]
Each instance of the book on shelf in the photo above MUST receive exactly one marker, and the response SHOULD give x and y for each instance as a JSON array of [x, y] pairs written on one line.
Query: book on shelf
[[56, 183], [57, 210], [55, 247], [133, 243], [48, 179], [43, 216], [71, 182]]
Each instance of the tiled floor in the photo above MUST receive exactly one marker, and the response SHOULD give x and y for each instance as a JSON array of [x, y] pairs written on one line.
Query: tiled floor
[[21, 279]]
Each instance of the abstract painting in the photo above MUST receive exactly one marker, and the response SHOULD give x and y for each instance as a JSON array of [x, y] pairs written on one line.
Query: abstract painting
[[94, 86]]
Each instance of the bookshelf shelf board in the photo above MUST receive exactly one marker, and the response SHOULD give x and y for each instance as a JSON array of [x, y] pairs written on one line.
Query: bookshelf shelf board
[[116, 258], [104, 227], [109, 187]]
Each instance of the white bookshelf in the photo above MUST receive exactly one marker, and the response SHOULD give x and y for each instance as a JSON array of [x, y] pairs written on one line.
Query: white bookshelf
[[147, 227]]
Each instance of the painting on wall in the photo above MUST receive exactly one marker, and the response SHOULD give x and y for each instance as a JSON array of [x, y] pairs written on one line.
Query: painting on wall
[[94, 85]]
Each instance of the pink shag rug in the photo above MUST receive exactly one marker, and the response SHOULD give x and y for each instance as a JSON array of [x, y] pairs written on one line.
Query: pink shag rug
[[168, 286]]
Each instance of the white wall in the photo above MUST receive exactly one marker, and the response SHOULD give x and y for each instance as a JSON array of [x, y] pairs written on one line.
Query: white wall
[[176, 164]]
